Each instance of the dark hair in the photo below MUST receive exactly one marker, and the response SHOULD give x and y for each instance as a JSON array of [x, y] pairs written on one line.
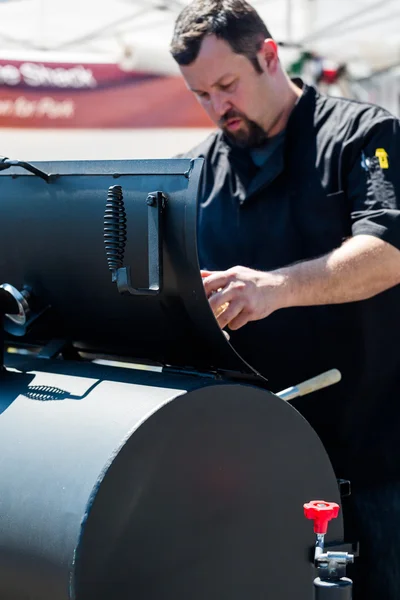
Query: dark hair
[[234, 21]]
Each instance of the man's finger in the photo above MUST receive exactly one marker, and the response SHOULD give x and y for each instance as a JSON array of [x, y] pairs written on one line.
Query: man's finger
[[220, 298], [206, 273], [228, 315], [215, 282], [239, 321], [218, 312]]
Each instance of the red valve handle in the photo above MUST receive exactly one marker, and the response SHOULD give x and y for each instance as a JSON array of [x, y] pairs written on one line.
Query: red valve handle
[[321, 513]]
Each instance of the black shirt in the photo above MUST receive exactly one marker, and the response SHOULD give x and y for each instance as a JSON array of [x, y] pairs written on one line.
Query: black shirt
[[261, 155], [336, 175]]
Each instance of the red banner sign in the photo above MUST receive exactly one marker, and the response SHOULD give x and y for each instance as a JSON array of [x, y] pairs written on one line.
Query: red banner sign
[[50, 95]]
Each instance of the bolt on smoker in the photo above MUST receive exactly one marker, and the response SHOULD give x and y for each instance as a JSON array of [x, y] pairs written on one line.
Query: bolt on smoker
[[140, 455]]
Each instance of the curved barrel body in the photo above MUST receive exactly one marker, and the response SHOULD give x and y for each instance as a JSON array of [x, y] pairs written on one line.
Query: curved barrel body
[[183, 484], [118, 483], [55, 241]]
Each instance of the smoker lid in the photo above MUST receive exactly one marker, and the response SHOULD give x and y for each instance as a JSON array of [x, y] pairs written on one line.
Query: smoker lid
[[53, 243]]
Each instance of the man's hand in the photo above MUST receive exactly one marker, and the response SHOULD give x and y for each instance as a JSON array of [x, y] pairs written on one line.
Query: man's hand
[[240, 295], [361, 268]]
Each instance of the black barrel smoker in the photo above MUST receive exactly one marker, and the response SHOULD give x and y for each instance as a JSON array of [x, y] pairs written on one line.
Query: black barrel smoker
[[140, 456]]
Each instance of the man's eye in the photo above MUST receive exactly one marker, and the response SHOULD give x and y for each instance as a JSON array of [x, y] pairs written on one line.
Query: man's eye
[[202, 95], [228, 87]]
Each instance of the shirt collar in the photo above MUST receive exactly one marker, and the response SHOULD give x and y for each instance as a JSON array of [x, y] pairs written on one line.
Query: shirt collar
[[304, 105], [298, 124]]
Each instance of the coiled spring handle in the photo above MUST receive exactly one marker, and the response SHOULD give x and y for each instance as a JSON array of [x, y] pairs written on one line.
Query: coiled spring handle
[[115, 229], [115, 238]]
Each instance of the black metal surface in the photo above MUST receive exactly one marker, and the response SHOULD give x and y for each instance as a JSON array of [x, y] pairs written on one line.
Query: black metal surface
[[51, 239], [154, 487], [329, 590]]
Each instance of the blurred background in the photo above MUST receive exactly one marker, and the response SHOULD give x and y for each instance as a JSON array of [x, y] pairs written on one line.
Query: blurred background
[[91, 79]]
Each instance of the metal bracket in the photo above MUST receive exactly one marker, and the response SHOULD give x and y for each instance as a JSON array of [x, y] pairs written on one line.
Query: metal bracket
[[344, 488], [352, 548], [19, 308], [331, 566], [156, 202], [57, 347], [6, 163]]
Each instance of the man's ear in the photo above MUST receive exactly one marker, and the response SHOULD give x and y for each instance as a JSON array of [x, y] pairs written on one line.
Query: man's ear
[[269, 54]]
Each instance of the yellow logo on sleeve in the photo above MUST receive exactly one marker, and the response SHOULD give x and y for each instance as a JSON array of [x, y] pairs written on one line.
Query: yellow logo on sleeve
[[382, 156]]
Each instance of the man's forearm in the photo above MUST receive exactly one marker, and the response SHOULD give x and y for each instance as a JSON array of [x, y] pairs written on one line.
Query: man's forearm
[[361, 268]]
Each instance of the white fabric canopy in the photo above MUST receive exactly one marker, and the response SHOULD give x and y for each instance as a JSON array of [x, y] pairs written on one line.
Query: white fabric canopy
[[54, 29], [136, 35]]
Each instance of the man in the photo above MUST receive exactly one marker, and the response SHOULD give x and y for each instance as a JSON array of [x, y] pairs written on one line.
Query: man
[[299, 237]]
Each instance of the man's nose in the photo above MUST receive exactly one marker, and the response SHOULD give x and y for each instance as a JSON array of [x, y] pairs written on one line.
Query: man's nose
[[220, 104]]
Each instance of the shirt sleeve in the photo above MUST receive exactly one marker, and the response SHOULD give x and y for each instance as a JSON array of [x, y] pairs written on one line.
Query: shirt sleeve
[[373, 184]]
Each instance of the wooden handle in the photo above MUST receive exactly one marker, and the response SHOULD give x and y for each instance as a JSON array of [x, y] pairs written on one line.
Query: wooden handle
[[311, 385]]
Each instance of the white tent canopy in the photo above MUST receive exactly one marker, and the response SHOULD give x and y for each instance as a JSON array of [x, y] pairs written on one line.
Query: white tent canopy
[[136, 35], [50, 29]]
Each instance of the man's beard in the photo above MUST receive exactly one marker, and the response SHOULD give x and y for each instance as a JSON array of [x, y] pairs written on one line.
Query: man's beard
[[250, 136]]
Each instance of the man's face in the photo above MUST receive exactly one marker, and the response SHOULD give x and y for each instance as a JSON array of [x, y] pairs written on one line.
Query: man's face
[[235, 96]]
